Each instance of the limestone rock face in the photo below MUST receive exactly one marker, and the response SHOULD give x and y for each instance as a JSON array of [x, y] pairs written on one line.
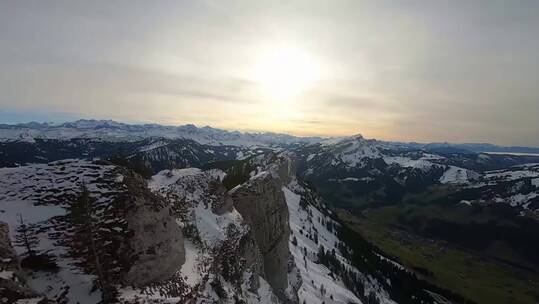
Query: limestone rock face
[[262, 204], [222, 203], [157, 242], [249, 251], [212, 225], [284, 168]]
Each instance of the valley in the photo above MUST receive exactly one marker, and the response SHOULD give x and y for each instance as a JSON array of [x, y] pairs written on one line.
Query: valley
[[483, 277]]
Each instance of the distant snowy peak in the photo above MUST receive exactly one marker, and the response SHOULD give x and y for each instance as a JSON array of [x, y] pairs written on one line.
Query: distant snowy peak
[[353, 151], [114, 131], [109, 130]]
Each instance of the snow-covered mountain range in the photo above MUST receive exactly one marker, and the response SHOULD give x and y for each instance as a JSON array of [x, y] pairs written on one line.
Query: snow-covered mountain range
[[114, 131], [360, 166], [340, 162], [109, 130]]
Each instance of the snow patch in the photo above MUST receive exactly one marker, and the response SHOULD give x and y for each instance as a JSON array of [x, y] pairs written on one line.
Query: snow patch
[[456, 175]]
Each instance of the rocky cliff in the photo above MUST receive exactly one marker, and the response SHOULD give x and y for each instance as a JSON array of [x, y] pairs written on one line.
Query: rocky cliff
[[157, 241], [223, 261], [262, 204]]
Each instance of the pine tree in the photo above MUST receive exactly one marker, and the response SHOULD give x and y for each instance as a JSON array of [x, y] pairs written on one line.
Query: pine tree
[[294, 241], [84, 240], [322, 290], [321, 255], [27, 236]]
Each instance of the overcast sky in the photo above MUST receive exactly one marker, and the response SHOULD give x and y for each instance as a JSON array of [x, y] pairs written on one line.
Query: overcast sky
[[459, 71]]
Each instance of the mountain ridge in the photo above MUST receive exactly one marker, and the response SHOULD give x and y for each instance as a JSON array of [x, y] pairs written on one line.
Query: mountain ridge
[[118, 131]]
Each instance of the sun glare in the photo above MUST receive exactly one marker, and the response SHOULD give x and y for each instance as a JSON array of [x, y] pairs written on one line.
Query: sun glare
[[285, 73]]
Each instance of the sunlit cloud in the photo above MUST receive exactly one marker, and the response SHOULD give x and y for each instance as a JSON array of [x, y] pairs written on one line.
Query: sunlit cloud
[[384, 69]]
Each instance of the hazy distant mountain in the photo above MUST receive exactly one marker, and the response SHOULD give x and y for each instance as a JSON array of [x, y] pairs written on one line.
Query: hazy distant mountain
[[473, 147], [109, 130], [113, 131]]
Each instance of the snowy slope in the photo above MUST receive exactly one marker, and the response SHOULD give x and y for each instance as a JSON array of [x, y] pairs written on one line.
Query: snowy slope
[[407, 162], [456, 175], [313, 275], [309, 232], [39, 193], [516, 186]]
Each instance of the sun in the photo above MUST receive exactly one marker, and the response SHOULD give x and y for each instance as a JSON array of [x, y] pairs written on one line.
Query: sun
[[286, 72]]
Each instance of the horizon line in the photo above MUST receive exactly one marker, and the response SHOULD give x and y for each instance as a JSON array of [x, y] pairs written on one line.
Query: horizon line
[[255, 132]]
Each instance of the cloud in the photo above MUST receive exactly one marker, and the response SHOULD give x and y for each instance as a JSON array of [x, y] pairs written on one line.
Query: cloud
[[450, 70]]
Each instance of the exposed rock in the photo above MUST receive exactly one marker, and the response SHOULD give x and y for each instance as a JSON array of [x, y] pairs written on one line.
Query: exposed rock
[[227, 252], [237, 255], [223, 202], [157, 241], [284, 168], [262, 204], [12, 285]]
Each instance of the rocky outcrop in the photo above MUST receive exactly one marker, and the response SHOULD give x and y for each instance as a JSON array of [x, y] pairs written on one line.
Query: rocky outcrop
[[228, 256], [12, 285], [262, 204], [283, 168], [221, 201], [157, 242]]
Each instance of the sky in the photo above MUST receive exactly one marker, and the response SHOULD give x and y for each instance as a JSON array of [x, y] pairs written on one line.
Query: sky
[[457, 71]]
